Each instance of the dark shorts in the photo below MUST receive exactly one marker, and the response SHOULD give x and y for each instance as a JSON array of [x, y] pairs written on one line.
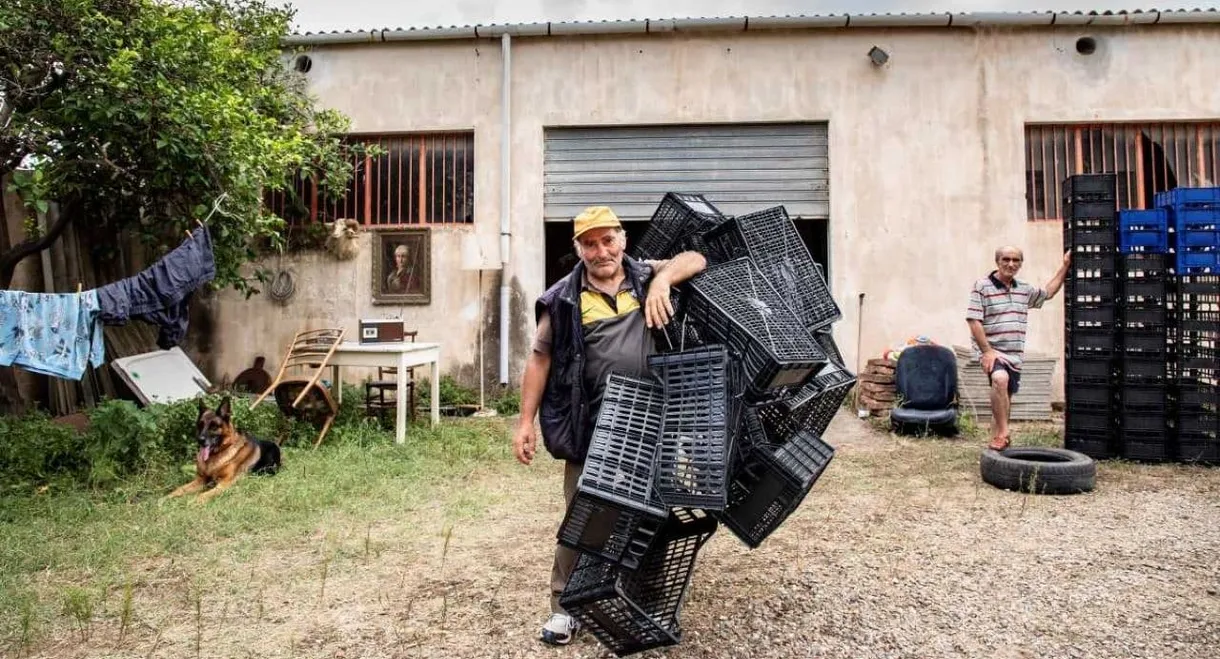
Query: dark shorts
[[1014, 376]]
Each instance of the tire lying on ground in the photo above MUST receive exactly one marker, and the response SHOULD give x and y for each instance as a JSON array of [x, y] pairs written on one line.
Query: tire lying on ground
[[1038, 470]]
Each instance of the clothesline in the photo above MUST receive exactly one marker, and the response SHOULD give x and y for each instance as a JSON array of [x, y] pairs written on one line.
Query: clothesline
[[59, 333]]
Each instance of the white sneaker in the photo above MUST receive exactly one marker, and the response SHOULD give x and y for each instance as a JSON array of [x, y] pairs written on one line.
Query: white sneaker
[[559, 629]]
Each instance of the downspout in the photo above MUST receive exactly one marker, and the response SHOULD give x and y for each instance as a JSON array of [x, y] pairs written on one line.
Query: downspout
[[506, 124]]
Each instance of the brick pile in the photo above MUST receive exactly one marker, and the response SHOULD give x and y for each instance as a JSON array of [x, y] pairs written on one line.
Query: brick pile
[[877, 390]]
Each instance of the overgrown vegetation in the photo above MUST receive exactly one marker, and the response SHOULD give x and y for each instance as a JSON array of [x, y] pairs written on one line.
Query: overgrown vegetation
[[81, 515], [124, 441]]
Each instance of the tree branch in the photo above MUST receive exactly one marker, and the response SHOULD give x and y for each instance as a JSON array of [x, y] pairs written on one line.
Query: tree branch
[[10, 259]]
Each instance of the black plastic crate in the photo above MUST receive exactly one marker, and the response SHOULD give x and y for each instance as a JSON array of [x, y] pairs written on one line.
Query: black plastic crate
[[1101, 210], [1091, 344], [1102, 290], [826, 340], [1096, 421], [1090, 370], [1144, 398], [1146, 445], [1197, 355], [1144, 421], [1202, 323], [631, 612], [1093, 264], [617, 511], [1091, 316], [813, 407], [1145, 344], [702, 394], [775, 476], [1199, 447], [1090, 187], [676, 225], [1090, 397], [1099, 444], [1197, 397], [1143, 266], [1102, 237], [1204, 285], [1147, 371], [1145, 291], [1198, 422], [1154, 318], [771, 241], [731, 303]]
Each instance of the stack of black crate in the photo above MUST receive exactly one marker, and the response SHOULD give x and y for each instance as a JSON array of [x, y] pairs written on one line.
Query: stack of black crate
[[1197, 337], [1092, 311], [1144, 363]]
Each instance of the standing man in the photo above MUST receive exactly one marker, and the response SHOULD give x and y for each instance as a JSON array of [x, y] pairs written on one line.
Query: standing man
[[589, 324], [999, 306]]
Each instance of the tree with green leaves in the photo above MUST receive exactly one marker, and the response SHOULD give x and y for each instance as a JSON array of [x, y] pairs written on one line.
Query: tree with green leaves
[[142, 117]]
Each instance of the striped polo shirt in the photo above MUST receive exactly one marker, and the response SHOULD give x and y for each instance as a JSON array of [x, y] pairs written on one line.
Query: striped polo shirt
[[1003, 311]]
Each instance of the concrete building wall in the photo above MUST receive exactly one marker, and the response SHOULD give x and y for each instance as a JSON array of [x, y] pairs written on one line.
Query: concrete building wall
[[926, 155]]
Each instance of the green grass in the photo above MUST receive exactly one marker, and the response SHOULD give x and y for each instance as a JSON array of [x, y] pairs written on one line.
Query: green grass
[[69, 551]]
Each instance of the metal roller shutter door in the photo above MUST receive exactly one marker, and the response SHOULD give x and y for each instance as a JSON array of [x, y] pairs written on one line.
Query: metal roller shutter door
[[740, 168]]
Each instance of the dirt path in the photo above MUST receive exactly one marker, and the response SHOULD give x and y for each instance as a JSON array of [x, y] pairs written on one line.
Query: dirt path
[[899, 552]]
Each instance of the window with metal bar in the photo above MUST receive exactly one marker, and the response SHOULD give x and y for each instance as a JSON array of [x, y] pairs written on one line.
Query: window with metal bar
[[1146, 157], [417, 179]]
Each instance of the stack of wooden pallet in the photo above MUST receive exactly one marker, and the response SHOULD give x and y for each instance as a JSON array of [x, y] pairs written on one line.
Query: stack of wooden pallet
[[1032, 402], [877, 389]]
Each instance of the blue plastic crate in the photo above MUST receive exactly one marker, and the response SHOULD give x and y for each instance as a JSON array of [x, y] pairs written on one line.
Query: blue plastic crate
[[1188, 197], [1143, 231], [1199, 238], [1186, 219], [1198, 262]]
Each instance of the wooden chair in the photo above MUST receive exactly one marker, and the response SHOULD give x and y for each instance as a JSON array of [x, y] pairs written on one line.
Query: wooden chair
[[301, 394], [375, 401]]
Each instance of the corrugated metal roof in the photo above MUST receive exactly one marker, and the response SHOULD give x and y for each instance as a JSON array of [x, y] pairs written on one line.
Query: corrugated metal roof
[[746, 23]]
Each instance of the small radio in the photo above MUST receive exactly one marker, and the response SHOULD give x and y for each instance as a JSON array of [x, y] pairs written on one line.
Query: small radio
[[381, 330]]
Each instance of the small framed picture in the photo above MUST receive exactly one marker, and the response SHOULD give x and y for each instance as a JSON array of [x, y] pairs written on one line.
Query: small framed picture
[[402, 266]]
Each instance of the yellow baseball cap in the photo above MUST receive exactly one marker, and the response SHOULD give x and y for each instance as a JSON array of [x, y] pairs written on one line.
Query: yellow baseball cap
[[595, 217]]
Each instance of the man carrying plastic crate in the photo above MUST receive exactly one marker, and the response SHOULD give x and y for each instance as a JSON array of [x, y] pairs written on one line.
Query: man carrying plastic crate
[[999, 306], [590, 323]]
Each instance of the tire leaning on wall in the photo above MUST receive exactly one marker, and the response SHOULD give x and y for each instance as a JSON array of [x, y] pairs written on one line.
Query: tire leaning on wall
[[1039, 470]]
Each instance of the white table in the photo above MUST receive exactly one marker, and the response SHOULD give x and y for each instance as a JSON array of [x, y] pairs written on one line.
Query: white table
[[402, 356]]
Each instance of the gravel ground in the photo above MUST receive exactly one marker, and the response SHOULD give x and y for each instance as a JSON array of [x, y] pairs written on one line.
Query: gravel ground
[[900, 551]]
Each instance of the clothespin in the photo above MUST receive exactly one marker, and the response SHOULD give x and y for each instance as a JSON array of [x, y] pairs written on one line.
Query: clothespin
[[188, 234], [78, 288]]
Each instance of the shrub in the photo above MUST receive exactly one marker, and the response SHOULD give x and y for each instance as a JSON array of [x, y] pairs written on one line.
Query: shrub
[[34, 449]]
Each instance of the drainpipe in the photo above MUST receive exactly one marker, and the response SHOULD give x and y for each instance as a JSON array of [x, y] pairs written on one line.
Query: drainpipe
[[505, 196]]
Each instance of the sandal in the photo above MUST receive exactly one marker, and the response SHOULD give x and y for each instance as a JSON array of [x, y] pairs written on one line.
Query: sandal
[[998, 443]]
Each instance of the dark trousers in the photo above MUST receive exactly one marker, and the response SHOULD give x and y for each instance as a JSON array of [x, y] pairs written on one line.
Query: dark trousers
[[565, 558]]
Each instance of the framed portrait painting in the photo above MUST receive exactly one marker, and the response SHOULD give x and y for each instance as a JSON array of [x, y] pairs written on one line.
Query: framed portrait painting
[[402, 266]]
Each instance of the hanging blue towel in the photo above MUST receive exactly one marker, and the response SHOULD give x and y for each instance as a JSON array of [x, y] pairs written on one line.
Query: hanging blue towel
[[51, 333]]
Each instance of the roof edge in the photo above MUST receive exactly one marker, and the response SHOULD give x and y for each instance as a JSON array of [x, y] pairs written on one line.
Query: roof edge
[[961, 20]]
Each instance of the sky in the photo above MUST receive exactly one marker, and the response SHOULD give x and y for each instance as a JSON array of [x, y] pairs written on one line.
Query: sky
[[328, 15]]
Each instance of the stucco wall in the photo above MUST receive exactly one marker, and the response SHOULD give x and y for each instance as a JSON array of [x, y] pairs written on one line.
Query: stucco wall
[[927, 153]]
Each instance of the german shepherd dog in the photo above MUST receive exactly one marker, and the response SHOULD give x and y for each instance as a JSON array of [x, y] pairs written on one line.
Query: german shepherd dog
[[225, 453]]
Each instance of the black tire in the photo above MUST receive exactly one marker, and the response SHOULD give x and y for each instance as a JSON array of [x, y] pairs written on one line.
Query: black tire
[[1039, 470]]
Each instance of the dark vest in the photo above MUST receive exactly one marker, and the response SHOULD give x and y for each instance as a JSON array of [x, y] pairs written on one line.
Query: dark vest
[[564, 412]]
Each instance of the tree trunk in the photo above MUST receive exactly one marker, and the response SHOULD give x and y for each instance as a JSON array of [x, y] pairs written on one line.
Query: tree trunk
[[11, 401]]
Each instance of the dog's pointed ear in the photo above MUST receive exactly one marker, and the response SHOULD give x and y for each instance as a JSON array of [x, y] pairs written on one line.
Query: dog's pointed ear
[[203, 407], [226, 409]]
